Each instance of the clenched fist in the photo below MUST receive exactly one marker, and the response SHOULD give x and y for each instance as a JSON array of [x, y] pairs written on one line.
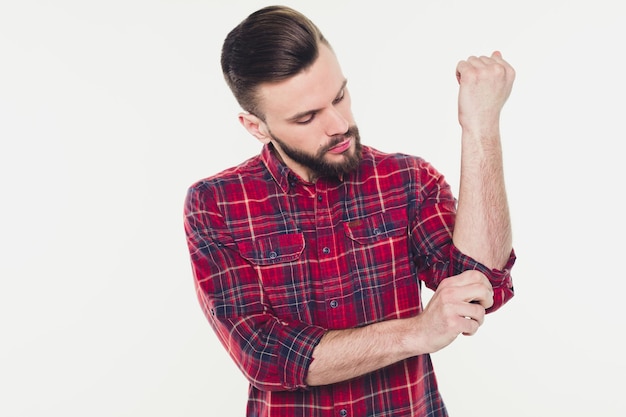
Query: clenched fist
[[485, 83]]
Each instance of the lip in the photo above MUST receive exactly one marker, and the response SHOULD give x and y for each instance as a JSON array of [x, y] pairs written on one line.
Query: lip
[[342, 147]]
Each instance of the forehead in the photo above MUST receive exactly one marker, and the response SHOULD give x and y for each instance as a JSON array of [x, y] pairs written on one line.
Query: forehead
[[313, 88]]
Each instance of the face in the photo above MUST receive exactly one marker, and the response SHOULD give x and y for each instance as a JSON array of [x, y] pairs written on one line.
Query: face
[[309, 121]]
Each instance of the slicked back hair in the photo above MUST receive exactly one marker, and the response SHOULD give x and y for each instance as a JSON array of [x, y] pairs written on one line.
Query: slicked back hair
[[270, 45]]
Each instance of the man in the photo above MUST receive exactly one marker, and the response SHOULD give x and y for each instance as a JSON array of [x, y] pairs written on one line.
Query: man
[[308, 258]]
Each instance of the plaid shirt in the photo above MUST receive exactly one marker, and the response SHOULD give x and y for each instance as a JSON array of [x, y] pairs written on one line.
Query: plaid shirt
[[278, 261]]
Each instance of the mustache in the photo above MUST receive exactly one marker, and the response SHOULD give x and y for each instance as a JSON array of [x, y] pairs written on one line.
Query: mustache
[[352, 132]]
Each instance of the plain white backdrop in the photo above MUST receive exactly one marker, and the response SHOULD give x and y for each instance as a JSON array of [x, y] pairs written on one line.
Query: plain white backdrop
[[110, 110]]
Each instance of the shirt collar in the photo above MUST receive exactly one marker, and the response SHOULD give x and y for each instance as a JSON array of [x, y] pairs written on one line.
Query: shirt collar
[[282, 174]]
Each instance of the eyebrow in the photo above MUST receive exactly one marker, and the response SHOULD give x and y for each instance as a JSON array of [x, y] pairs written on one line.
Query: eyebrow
[[300, 115]]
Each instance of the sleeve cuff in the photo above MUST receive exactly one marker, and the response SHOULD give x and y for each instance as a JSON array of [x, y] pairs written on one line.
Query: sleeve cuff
[[500, 279]]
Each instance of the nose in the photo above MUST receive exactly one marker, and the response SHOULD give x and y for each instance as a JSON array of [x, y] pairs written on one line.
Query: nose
[[336, 123]]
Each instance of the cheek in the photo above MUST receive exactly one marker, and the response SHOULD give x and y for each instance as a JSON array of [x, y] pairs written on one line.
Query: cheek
[[303, 138]]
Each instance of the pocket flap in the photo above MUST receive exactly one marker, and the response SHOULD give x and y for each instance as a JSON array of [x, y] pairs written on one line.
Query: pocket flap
[[379, 226], [271, 250]]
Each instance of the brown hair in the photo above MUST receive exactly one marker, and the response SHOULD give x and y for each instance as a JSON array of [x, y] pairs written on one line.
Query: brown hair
[[270, 45]]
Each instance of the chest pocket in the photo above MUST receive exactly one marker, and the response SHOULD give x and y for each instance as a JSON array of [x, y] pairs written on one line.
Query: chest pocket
[[282, 272], [377, 228], [272, 250], [378, 251]]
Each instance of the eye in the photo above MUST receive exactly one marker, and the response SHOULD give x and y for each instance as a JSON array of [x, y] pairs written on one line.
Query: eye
[[307, 120], [340, 98]]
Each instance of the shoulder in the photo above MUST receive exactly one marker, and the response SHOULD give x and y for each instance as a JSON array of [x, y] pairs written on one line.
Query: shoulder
[[230, 184], [250, 168]]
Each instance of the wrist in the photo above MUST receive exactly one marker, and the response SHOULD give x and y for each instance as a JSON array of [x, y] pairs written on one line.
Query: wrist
[[411, 338], [484, 126]]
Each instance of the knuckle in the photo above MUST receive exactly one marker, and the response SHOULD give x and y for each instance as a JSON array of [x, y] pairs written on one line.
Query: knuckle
[[447, 294], [476, 275], [499, 69]]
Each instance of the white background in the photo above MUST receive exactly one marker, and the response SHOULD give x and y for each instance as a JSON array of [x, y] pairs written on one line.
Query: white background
[[109, 110]]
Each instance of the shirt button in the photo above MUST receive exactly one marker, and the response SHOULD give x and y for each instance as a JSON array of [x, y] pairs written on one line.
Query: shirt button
[[333, 304], [343, 412], [319, 197], [326, 250], [376, 231], [273, 255]]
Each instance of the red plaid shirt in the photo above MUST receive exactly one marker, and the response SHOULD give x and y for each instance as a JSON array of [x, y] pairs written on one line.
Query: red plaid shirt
[[278, 261]]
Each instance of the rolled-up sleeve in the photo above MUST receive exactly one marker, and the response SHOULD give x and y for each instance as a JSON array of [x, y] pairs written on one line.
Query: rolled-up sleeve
[[273, 354], [500, 279], [435, 255]]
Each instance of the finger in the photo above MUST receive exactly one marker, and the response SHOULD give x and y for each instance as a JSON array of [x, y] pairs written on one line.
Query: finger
[[461, 67], [468, 327], [473, 329], [480, 295], [497, 57], [478, 61], [470, 276], [473, 312], [485, 60], [476, 289], [484, 302], [470, 68]]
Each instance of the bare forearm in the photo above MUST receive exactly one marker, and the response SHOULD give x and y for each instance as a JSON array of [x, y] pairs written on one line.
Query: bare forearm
[[483, 229], [345, 354]]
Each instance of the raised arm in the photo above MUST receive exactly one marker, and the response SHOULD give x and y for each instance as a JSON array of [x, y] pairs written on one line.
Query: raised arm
[[483, 229]]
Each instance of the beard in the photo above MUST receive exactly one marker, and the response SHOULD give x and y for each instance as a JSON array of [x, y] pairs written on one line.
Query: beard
[[316, 162]]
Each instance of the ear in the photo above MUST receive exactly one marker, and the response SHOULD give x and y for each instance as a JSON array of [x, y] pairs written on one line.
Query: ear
[[255, 126]]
